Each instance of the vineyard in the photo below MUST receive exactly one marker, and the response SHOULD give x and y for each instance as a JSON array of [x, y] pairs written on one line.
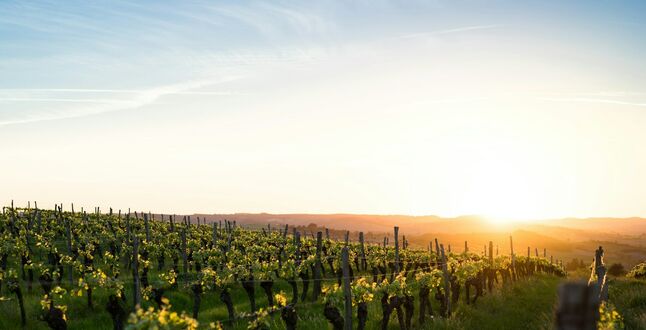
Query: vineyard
[[62, 269]]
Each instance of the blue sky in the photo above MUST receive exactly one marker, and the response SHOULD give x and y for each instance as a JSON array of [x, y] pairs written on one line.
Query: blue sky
[[326, 106], [147, 45]]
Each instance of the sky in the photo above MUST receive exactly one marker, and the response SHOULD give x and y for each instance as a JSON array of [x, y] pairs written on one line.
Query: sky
[[507, 109]]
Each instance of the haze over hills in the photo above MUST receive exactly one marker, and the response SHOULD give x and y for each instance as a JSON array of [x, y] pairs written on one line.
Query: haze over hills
[[564, 238], [574, 227]]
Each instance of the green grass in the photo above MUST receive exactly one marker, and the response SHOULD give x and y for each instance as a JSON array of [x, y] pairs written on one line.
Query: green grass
[[629, 297], [524, 305]]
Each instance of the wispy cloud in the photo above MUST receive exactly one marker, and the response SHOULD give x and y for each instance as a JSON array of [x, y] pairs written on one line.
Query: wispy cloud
[[52, 99], [592, 100], [272, 20], [139, 99], [103, 91], [449, 31]]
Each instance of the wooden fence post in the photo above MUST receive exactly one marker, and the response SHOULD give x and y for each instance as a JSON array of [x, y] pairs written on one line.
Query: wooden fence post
[[600, 271], [466, 247], [578, 307], [347, 324]]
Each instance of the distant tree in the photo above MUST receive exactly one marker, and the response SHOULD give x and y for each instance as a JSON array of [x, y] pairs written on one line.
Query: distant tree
[[576, 264], [573, 264], [616, 269]]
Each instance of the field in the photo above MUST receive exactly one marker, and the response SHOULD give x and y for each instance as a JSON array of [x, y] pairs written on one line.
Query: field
[[197, 269]]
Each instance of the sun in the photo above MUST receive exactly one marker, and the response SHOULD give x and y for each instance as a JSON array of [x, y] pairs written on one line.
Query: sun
[[503, 191]]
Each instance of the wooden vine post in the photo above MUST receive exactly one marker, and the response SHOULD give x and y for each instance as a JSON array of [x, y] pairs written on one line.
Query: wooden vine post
[[396, 249], [147, 225], [347, 292], [317, 267], [128, 238], [184, 256], [215, 234], [491, 253], [68, 233], [364, 263], [447, 283], [513, 258], [135, 273], [492, 277]]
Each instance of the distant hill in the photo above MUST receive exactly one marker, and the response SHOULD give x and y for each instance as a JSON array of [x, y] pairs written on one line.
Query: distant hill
[[574, 229], [623, 238], [620, 226], [361, 222]]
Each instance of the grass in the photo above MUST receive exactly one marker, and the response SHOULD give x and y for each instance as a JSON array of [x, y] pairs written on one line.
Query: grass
[[524, 305], [629, 297]]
